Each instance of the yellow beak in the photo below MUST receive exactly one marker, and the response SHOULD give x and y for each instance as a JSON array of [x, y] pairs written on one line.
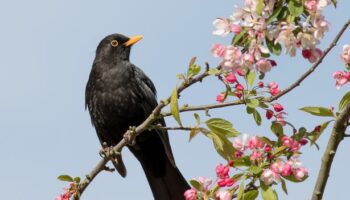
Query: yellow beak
[[133, 40]]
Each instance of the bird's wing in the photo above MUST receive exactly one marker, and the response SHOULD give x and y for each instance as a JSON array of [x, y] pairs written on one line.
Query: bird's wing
[[147, 85]]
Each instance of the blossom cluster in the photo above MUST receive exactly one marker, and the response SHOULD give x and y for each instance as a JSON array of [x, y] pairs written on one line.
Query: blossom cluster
[[263, 29], [343, 77], [274, 163], [68, 192]]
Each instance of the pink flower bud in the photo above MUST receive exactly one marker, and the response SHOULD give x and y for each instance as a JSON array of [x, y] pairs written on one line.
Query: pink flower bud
[[256, 156], [287, 141], [230, 163], [239, 94], [261, 84], [231, 78], [303, 142], [240, 72], [238, 154], [235, 28], [221, 182], [190, 194], [277, 107], [269, 114], [239, 87], [222, 171], [267, 148], [220, 98]]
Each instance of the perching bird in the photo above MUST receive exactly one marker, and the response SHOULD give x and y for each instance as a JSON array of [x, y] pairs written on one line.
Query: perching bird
[[119, 95]]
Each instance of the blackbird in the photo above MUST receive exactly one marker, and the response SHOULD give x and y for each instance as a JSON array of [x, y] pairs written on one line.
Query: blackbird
[[119, 95]]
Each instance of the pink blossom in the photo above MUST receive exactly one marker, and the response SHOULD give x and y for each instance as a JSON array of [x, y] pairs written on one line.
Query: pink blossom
[[190, 194], [286, 169], [220, 98], [269, 176], [300, 173], [273, 87], [205, 182], [265, 65], [223, 195], [231, 78], [287, 141], [277, 167], [277, 107], [240, 144], [311, 5], [218, 50], [341, 78], [312, 54], [240, 72], [320, 25], [255, 143], [222, 171], [295, 146], [228, 182], [345, 55], [233, 57], [235, 28], [280, 118], [256, 156], [222, 27]]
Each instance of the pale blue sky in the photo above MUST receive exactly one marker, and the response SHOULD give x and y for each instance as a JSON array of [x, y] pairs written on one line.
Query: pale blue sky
[[47, 48]]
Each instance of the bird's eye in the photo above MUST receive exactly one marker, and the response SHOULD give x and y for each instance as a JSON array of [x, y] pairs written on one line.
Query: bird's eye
[[114, 43]]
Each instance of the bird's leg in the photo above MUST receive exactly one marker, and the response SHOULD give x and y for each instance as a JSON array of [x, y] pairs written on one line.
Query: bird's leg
[[129, 138], [104, 151]]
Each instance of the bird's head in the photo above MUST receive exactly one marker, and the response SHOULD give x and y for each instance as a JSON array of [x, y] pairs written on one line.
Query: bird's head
[[116, 47]]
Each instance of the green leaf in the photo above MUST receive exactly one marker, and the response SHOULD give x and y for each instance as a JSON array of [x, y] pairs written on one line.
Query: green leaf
[[257, 117], [241, 189], [267, 192], [277, 129], [318, 111], [251, 195], [274, 15], [279, 151], [253, 103], [174, 107], [255, 169], [251, 78], [195, 184], [293, 179], [77, 179], [65, 178], [335, 2], [222, 145], [345, 100], [214, 71], [274, 48], [238, 37], [222, 126], [198, 119], [284, 186], [193, 70], [295, 7], [259, 7], [315, 135], [192, 61], [193, 133]]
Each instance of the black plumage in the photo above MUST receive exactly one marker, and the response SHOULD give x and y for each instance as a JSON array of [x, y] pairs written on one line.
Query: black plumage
[[120, 95]]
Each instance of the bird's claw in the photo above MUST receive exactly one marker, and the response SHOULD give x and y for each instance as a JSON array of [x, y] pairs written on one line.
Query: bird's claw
[[129, 138]]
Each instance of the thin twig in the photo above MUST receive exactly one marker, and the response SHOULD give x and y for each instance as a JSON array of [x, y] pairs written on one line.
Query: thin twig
[[282, 93], [334, 140]]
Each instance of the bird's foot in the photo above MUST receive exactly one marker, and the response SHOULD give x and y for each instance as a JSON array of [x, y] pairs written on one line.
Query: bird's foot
[[130, 137]]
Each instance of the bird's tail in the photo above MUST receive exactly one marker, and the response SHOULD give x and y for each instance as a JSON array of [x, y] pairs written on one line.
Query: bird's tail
[[171, 185]]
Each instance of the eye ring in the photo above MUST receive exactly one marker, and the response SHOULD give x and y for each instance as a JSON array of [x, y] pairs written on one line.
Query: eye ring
[[114, 43]]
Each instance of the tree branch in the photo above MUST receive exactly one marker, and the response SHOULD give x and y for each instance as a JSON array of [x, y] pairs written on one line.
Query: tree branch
[[282, 93], [335, 138], [132, 133]]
